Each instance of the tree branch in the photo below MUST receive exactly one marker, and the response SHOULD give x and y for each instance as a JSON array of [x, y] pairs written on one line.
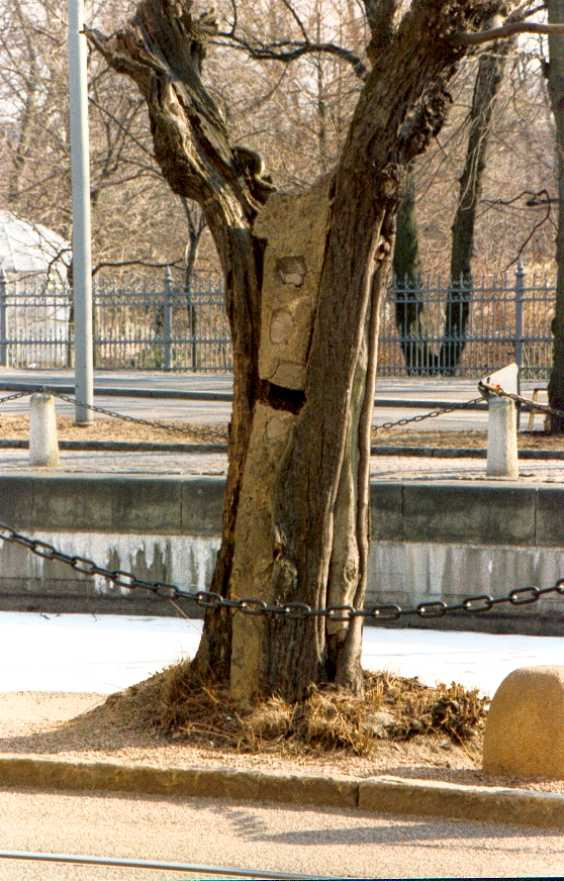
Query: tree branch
[[104, 264], [290, 50], [510, 29]]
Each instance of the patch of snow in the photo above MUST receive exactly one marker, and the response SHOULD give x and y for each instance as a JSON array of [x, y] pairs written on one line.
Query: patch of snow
[[102, 654]]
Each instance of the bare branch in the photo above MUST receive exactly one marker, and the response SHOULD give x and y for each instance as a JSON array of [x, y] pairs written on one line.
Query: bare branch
[[510, 29], [546, 216], [291, 50], [104, 264], [533, 202], [297, 19]]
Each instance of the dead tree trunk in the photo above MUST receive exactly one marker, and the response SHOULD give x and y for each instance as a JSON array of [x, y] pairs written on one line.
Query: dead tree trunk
[[303, 277]]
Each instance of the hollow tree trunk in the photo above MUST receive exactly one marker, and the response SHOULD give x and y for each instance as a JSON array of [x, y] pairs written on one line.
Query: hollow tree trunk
[[304, 277], [486, 87], [556, 89]]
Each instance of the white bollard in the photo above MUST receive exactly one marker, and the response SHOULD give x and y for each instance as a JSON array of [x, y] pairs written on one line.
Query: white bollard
[[43, 441], [502, 438]]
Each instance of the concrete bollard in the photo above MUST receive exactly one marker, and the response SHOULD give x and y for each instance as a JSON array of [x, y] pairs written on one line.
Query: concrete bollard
[[502, 439], [43, 440]]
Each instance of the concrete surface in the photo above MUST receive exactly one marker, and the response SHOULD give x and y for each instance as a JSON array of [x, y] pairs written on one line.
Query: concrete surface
[[390, 795], [488, 513], [431, 541], [328, 841]]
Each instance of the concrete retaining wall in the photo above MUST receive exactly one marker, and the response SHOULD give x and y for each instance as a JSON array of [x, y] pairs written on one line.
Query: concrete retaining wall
[[430, 541]]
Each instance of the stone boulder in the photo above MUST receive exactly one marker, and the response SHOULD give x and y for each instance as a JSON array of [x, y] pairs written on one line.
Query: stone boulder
[[524, 734]]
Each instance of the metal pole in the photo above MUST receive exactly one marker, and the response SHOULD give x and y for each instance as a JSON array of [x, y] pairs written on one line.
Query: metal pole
[[3, 323], [167, 320], [158, 865], [519, 302], [81, 263]]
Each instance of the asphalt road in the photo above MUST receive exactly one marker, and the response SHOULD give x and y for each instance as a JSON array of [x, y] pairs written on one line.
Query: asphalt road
[[260, 836], [218, 411]]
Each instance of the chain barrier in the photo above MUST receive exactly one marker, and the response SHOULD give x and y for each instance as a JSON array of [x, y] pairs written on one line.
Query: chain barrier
[[162, 425], [14, 397], [290, 611], [484, 387], [70, 399], [432, 414], [499, 392]]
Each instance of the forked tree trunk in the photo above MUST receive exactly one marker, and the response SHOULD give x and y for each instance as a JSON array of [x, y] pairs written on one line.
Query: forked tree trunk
[[303, 278], [556, 89]]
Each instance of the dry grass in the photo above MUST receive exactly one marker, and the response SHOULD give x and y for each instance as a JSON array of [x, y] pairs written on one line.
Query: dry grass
[[16, 427], [112, 429], [527, 440], [181, 708]]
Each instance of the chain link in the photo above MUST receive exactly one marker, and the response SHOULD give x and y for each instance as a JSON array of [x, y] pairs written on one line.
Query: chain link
[[484, 387], [163, 426], [14, 397], [70, 399], [432, 414], [171, 428], [499, 392], [294, 611]]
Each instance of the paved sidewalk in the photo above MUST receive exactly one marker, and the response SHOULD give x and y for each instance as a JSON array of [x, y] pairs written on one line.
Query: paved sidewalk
[[308, 840], [163, 463]]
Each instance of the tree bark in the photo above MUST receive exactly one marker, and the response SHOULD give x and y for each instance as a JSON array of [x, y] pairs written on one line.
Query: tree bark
[[556, 89], [486, 87], [304, 278]]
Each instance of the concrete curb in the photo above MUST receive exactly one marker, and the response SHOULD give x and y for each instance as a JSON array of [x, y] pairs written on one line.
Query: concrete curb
[[492, 804], [203, 448]]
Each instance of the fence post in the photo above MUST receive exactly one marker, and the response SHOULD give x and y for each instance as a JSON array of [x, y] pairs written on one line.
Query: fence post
[[192, 318], [519, 316], [167, 321], [3, 322]]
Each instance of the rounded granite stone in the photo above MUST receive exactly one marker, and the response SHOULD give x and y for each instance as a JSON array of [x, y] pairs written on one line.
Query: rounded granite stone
[[524, 734]]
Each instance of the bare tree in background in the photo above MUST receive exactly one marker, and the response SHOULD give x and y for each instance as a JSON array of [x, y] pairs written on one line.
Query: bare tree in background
[[556, 90], [488, 80], [129, 198]]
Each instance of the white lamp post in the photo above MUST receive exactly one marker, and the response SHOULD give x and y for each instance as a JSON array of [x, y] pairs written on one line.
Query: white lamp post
[[82, 262]]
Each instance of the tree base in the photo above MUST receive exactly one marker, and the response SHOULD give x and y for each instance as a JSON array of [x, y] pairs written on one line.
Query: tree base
[[178, 704]]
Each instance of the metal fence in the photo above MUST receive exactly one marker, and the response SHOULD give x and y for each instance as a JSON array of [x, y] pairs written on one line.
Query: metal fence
[[506, 318]]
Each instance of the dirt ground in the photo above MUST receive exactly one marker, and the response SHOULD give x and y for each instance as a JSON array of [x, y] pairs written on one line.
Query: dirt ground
[[71, 727], [16, 427], [111, 429]]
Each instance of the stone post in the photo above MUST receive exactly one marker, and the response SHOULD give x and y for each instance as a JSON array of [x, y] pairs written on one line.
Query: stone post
[[43, 441], [502, 439]]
